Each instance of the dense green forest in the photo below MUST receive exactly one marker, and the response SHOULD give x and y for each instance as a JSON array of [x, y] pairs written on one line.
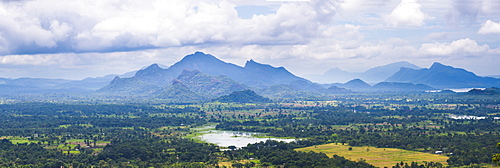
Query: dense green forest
[[37, 134]]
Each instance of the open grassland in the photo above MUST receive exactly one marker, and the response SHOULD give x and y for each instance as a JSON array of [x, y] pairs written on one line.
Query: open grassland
[[18, 140], [380, 157], [69, 125], [230, 163]]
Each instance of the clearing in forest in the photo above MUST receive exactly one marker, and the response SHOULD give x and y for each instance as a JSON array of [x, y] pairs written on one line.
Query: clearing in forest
[[379, 157]]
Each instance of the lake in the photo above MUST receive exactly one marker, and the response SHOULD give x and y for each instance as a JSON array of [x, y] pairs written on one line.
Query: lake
[[459, 90], [234, 138]]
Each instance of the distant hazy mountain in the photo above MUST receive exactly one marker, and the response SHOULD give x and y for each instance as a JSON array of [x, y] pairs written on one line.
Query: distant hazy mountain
[[34, 82], [359, 85], [15, 89], [336, 75], [442, 76], [373, 75], [381, 73], [95, 83], [43, 86], [38, 86]]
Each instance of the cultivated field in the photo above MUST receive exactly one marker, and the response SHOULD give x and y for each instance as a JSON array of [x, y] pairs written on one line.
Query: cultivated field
[[380, 157]]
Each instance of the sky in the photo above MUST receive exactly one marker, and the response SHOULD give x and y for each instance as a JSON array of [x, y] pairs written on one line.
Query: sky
[[90, 38]]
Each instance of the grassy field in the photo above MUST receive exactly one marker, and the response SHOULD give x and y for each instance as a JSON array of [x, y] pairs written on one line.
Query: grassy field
[[379, 157], [69, 125], [230, 164]]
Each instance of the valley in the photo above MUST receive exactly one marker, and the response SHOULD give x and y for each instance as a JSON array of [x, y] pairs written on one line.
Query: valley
[[159, 134]]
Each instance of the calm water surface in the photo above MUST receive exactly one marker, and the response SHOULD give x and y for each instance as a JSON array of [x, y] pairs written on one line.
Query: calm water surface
[[234, 138]]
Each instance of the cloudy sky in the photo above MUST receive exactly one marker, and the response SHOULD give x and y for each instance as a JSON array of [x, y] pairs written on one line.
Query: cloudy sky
[[89, 38]]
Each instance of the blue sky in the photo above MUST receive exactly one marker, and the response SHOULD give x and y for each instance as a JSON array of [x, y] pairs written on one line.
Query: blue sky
[[89, 38]]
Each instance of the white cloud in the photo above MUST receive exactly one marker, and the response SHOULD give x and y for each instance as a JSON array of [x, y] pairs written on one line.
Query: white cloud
[[2, 10], [407, 13], [459, 48], [464, 10], [490, 27], [470, 10], [320, 34], [490, 7], [343, 32], [33, 60], [104, 26], [365, 5], [82, 65]]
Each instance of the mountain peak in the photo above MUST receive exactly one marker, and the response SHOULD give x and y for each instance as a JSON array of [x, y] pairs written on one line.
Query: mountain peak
[[152, 69], [153, 66], [151, 74], [335, 71], [277, 74], [357, 83], [437, 65], [253, 62], [252, 65], [206, 63], [199, 55]]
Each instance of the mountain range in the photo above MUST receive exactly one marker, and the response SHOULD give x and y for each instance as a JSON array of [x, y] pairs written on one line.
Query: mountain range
[[201, 76], [252, 74], [359, 85], [373, 75], [208, 77], [443, 76]]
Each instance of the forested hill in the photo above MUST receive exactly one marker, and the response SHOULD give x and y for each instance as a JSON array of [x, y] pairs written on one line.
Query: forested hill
[[253, 74], [244, 96]]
